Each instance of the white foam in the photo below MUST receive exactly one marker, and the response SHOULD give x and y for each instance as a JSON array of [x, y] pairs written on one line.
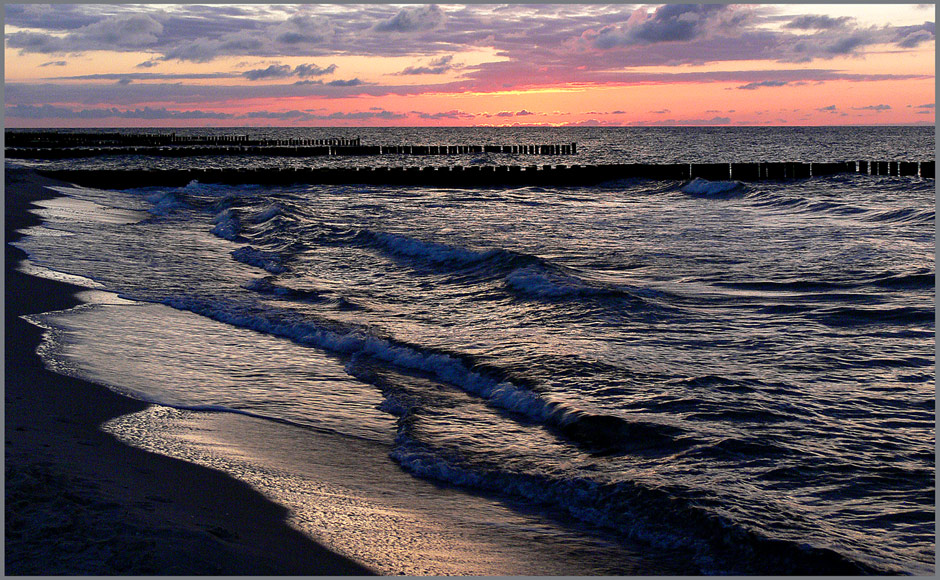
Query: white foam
[[699, 186], [432, 251], [266, 214], [503, 394], [227, 225], [536, 281], [164, 202]]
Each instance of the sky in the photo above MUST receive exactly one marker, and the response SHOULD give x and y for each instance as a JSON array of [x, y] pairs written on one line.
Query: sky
[[162, 65]]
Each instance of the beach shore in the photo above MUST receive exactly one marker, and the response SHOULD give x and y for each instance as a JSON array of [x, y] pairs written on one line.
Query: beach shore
[[80, 502]]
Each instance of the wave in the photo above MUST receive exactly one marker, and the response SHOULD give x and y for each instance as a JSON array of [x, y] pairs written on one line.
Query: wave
[[656, 515], [164, 202], [266, 286], [903, 215], [600, 433], [906, 281], [429, 251], [227, 225], [848, 316], [267, 213], [706, 188], [794, 198], [888, 280], [523, 274], [269, 261], [542, 282], [787, 286]]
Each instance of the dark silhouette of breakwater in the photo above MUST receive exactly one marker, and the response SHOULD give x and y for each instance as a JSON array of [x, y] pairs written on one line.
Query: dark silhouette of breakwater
[[47, 139], [488, 175], [54, 145]]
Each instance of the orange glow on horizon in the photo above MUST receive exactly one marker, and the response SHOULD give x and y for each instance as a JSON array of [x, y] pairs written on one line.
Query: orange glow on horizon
[[482, 82]]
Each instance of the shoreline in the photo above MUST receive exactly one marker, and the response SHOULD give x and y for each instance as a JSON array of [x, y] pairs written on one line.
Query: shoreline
[[80, 502]]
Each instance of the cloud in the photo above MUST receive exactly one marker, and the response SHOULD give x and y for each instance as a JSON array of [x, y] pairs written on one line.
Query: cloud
[[877, 108], [148, 64], [413, 20], [669, 23], [342, 83], [842, 39], [335, 83], [827, 45], [280, 71], [504, 114], [830, 108], [145, 76], [913, 36], [359, 116], [37, 42], [849, 43], [915, 39], [54, 63], [300, 115], [51, 112], [435, 67], [760, 84], [556, 39], [312, 70], [205, 50], [125, 81], [92, 93], [127, 30], [452, 114], [49, 16], [927, 106], [817, 22], [275, 71], [716, 120], [302, 29]]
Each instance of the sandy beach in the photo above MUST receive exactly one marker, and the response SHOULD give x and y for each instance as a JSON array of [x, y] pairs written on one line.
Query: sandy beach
[[79, 502]]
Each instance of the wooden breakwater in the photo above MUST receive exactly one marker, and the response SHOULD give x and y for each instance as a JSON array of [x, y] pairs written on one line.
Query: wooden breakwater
[[488, 175], [53, 145], [60, 139]]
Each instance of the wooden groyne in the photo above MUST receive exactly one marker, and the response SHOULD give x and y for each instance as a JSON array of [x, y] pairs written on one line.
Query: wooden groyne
[[489, 175], [285, 150], [59, 139], [53, 145]]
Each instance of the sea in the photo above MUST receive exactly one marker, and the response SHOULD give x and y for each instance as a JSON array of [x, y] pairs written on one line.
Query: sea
[[634, 378]]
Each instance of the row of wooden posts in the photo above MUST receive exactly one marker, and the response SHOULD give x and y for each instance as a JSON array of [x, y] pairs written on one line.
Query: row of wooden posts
[[58, 145], [287, 149], [55, 139], [489, 175]]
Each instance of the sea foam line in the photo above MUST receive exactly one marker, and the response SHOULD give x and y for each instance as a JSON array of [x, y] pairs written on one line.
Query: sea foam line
[[503, 394]]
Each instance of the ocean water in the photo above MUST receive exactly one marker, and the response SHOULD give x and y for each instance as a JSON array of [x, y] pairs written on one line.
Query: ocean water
[[636, 378]]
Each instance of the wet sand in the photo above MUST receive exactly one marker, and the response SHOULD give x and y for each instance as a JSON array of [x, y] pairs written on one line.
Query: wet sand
[[80, 502]]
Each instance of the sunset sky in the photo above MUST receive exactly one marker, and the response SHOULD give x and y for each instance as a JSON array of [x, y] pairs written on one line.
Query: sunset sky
[[464, 65]]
